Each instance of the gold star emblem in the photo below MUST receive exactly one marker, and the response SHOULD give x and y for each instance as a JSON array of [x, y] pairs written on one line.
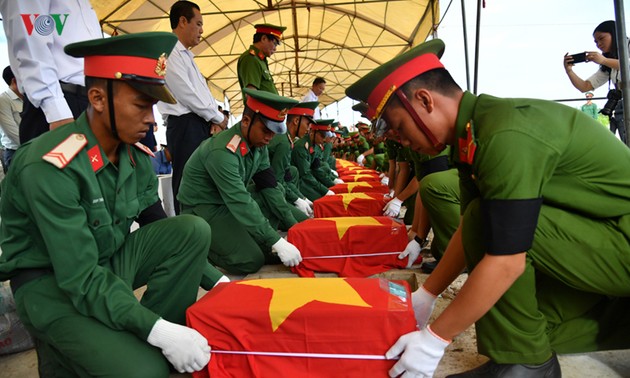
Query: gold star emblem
[[160, 67], [290, 294], [346, 198], [352, 185], [356, 177], [282, 114], [344, 223]]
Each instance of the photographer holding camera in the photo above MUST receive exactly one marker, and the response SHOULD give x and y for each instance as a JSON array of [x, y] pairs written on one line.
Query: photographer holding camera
[[608, 60]]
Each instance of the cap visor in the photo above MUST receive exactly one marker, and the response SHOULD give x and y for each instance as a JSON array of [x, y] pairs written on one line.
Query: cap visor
[[276, 127], [156, 91]]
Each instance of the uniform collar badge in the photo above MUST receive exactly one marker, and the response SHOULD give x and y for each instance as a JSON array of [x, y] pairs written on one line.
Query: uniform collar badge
[[96, 159], [467, 146], [243, 148]]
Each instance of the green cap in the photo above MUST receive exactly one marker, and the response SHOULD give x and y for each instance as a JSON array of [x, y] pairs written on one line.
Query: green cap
[[272, 108], [274, 30], [376, 87], [305, 109], [322, 125], [138, 59], [361, 107]]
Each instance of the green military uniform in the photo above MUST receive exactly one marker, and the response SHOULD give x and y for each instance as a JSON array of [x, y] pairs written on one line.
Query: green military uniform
[[66, 213], [542, 174], [380, 157], [72, 223], [253, 69], [215, 187], [307, 159]]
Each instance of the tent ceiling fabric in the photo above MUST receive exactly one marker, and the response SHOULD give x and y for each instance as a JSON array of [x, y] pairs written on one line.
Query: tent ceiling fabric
[[340, 40]]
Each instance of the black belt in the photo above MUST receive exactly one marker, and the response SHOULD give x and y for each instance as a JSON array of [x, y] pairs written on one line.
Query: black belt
[[27, 275], [73, 89]]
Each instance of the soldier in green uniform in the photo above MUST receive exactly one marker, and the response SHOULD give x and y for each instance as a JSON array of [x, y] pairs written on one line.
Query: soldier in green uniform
[[252, 66], [545, 224], [298, 120], [306, 157], [67, 206], [215, 187]]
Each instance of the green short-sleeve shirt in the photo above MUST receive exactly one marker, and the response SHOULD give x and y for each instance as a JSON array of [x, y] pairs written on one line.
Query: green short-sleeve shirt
[[253, 69]]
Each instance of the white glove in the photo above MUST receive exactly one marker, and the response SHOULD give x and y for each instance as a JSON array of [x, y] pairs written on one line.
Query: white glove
[[412, 250], [338, 181], [330, 193], [421, 354], [392, 209], [334, 173], [303, 207], [221, 280], [288, 253], [360, 159], [389, 195], [423, 303], [385, 180], [310, 203], [186, 349], [382, 175]]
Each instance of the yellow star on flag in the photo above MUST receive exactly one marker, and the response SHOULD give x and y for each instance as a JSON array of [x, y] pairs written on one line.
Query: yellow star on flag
[[346, 163], [290, 294], [352, 185], [357, 177], [346, 198], [344, 223]]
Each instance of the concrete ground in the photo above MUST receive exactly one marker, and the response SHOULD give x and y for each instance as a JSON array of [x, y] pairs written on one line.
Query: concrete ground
[[460, 356]]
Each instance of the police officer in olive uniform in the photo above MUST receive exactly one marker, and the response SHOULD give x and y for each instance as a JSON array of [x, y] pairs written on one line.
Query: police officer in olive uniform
[[545, 229], [299, 119], [252, 66], [67, 206], [215, 187], [306, 156]]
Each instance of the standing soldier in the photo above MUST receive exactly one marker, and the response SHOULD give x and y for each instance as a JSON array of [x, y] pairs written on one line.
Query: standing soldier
[[299, 118], [252, 66], [545, 222], [67, 205], [216, 181]]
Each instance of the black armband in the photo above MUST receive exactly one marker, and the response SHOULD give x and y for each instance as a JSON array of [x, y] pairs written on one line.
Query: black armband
[[287, 175], [434, 165], [151, 214], [316, 163], [510, 224], [265, 179]]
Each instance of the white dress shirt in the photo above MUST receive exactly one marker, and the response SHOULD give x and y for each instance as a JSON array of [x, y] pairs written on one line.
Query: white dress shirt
[[36, 48], [189, 88], [310, 96], [10, 108]]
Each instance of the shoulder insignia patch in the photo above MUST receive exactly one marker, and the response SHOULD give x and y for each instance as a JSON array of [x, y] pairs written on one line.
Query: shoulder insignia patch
[[467, 146], [306, 145], [144, 149], [65, 151], [252, 52], [94, 154], [233, 144], [243, 148]]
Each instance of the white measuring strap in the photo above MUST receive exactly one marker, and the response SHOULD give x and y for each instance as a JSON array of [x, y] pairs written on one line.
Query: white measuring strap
[[357, 255], [308, 355]]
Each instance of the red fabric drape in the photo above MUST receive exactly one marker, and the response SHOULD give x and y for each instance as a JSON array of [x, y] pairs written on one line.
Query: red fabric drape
[[360, 187], [349, 205]]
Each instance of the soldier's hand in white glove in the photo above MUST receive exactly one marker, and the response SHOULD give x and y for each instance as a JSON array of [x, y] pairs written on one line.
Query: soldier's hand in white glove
[[423, 303], [420, 353], [385, 180], [338, 181], [330, 193], [186, 349], [310, 203], [412, 250], [389, 195], [303, 207], [334, 173], [288, 253], [392, 209], [360, 160]]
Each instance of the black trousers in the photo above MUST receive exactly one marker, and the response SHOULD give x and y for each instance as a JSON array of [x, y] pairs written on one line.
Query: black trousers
[[183, 135], [34, 122]]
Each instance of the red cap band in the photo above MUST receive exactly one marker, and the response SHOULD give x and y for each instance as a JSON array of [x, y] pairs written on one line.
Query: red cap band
[[107, 66], [267, 30], [381, 93], [266, 110], [317, 127], [301, 111]]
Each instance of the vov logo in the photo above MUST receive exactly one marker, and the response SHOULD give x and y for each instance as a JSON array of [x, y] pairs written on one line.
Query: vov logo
[[44, 24]]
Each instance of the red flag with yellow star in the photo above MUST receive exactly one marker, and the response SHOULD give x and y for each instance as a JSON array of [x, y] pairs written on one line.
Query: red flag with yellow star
[[302, 327], [357, 170], [360, 187], [354, 177], [349, 246], [341, 163], [349, 205]]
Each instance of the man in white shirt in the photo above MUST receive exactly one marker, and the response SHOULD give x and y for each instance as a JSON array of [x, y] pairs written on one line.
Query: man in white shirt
[[187, 122], [319, 86], [52, 81], [10, 108]]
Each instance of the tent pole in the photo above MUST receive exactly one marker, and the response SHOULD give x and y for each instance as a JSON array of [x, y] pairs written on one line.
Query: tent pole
[[622, 47], [477, 37], [465, 29]]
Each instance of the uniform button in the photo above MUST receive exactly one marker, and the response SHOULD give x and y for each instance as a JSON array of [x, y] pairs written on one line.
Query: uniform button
[[96, 223]]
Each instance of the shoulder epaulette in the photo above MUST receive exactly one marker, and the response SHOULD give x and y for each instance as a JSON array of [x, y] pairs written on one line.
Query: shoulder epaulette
[[252, 52], [233, 143], [144, 149], [64, 152], [306, 145]]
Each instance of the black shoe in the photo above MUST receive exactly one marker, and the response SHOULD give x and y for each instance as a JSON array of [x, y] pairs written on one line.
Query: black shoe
[[428, 267], [550, 369]]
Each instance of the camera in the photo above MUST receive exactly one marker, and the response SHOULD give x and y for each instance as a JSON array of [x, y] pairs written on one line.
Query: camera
[[613, 96], [578, 58]]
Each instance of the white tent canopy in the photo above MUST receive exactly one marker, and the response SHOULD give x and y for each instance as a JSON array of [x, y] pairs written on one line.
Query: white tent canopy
[[340, 40]]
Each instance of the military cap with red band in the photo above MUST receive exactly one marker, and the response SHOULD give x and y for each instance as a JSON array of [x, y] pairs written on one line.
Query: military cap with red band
[[139, 59], [376, 87], [271, 107], [322, 125], [274, 30], [304, 109]]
